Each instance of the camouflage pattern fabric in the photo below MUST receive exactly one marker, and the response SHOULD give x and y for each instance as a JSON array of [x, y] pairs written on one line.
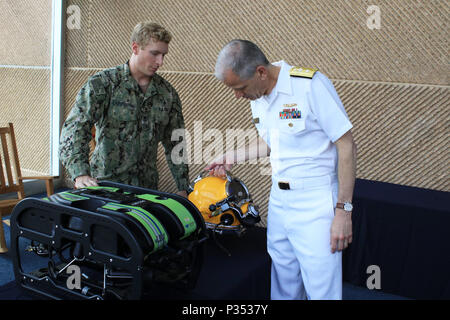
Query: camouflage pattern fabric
[[129, 125]]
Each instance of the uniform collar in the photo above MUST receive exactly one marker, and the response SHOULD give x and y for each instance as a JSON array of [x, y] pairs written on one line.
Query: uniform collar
[[126, 73], [131, 82], [283, 83]]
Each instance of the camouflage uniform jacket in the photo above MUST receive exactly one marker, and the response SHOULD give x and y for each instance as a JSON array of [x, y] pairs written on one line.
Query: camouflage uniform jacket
[[129, 125]]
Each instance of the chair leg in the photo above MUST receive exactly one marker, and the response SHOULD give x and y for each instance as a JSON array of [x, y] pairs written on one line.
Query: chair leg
[[3, 247], [49, 186]]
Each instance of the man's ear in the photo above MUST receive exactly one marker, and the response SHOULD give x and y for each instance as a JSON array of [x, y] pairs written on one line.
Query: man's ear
[[262, 72], [135, 48]]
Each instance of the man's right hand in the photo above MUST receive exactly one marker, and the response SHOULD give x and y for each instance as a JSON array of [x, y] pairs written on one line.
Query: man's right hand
[[218, 169], [85, 181]]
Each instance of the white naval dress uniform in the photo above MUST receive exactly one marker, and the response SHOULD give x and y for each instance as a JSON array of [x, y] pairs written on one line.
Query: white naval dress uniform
[[300, 121]]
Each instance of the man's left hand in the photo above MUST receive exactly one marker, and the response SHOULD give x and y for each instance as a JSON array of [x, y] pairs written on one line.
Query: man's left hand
[[182, 193], [341, 230]]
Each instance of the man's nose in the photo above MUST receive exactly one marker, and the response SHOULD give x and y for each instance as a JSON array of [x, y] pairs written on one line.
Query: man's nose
[[160, 60]]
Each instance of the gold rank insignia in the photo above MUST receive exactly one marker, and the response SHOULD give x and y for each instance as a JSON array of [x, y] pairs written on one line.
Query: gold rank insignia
[[302, 72]]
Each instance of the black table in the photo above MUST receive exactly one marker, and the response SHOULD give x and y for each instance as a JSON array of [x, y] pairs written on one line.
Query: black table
[[404, 231]]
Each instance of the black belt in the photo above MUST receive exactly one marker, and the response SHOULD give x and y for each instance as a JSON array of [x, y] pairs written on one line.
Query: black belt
[[284, 185]]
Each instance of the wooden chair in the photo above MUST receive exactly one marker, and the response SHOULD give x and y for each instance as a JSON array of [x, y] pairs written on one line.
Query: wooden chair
[[13, 180]]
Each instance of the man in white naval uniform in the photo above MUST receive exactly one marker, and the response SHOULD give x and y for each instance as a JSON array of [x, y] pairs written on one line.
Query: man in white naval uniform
[[304, 128]]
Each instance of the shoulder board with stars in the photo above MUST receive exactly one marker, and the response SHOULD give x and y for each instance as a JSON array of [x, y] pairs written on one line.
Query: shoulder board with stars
[[302, 72]]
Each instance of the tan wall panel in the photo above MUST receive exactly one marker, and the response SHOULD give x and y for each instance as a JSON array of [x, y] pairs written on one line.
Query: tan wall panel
[[411, 46], [77, 40], [402, 131], [393, 81], [25, 35], [26, 103]]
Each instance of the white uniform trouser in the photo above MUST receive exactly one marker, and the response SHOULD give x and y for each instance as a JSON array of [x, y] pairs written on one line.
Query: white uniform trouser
[[298, 240]]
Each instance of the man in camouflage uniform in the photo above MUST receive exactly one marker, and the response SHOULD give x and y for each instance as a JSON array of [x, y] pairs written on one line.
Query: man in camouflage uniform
[[133, 109]]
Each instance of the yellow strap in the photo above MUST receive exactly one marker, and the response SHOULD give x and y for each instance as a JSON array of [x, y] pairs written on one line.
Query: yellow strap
[[302, 72]]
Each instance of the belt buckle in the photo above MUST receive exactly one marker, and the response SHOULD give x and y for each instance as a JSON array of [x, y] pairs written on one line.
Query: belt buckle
[[284, 185]]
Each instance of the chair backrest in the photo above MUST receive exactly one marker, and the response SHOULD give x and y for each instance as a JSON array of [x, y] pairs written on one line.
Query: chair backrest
[[9, 163]]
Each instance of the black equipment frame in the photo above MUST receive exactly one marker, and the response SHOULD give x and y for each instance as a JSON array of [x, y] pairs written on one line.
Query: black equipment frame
[[47, 223]]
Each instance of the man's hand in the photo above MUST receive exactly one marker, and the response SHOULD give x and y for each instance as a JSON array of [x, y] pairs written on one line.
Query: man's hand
[[341, 230], [218, 169], [85, 181], [182, 193]]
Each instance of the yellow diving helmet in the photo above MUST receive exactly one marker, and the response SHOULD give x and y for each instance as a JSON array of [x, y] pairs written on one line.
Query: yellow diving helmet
[[224, 203]]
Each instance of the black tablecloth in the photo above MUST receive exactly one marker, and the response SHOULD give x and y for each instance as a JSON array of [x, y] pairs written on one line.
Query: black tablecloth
[[404, 231], [240, 270]]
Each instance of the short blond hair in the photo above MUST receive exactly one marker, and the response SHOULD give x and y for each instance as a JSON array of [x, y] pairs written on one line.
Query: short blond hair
[[144, 31]]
